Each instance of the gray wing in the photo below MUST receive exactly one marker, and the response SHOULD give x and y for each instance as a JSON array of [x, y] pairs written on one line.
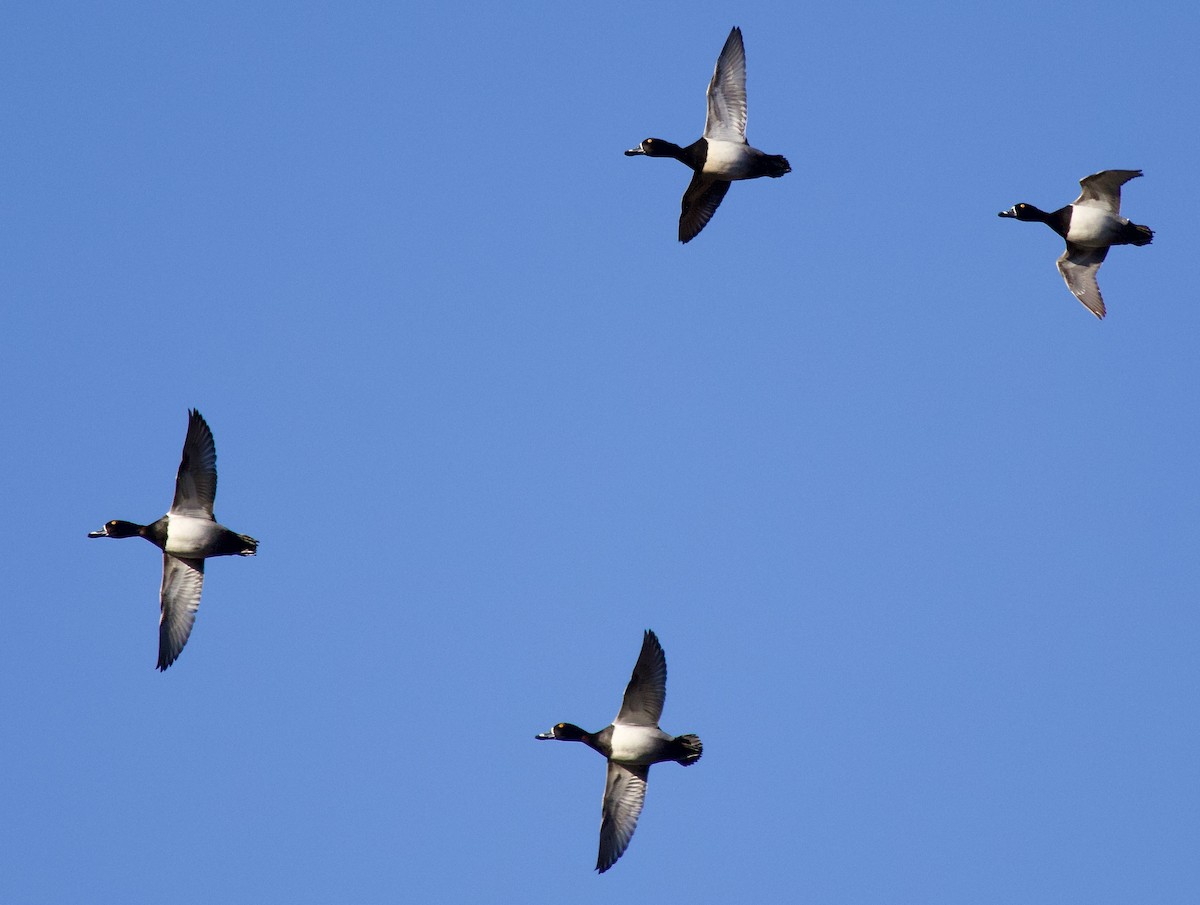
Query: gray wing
[[196, 483], [1078, 266], [647, 689], [700, 202], [1103, 189], [624, 795], [727, 92], [183, 579]]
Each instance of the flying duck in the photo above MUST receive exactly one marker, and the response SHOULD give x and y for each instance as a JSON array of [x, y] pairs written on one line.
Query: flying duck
[[188, 534], [631, 744], [722, 154], [1091, 224]]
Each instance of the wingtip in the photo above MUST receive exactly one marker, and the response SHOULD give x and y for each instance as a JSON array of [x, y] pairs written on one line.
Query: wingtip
[[165, 659], [1099, 310]]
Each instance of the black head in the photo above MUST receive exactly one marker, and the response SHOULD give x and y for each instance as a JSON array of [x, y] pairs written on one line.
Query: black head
[[118, 528], [1023, 211], [564, 732], [654, 147]]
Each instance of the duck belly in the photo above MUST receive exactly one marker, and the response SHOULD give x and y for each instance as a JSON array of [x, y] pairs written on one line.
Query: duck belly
[[191, 537], [730, 160], [637, 744], [1093, 227]]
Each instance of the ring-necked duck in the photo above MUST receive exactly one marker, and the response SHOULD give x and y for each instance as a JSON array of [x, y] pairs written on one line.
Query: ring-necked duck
[[632, 743], [187, 535], [1091, 224], [722, 155]]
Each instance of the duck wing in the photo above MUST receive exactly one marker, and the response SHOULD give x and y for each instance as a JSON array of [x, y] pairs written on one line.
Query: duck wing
[[182, 582], [1103, 189], [647, 688], [624, 795], [196, 482], [700, 202], [727, 93], [1078, 266]]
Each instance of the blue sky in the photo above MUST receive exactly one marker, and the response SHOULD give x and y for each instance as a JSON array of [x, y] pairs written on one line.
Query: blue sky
[[917, 532]]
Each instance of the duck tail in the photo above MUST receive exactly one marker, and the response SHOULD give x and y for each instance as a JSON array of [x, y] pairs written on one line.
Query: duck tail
[[250, 545], [689, 748], [1139, 235], [776, 165]]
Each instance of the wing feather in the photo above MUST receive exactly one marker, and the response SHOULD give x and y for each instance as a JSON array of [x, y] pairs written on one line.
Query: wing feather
[[179, 599], [647, 689], [1103, 189], [726, 119], [1078, 266], [196, 482], [700, 202], [624, 795]]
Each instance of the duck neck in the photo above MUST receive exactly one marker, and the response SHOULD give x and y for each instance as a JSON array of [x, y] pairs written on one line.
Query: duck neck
[[693, 155], [1059, 220], [599, 741]]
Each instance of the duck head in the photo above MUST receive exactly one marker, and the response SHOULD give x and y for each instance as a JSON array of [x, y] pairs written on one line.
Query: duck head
[[118, 528], [564, 732], [1023, 211]]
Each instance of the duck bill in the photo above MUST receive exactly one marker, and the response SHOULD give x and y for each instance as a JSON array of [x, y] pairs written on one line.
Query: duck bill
[[634, 152], [103, 532], [544, 735], [1011, 212]]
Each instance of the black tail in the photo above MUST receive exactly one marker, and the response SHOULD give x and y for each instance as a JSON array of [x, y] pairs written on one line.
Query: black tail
[[689, 748], [776, 165], [1135, 234]]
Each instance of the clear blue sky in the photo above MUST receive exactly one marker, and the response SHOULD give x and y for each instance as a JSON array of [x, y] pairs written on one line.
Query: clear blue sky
[[918, 533]]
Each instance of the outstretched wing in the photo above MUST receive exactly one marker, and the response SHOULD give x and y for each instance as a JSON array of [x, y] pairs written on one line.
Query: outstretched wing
[[624, 795], [700, 202], [1103, 189], [726, 119], [196, 483], [182, 582], [1078, 266], [647, 689]]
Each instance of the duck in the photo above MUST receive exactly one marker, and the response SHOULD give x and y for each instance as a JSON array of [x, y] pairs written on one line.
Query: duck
[[722, 154], [631, 743], [1091, 225], [188, 534]]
